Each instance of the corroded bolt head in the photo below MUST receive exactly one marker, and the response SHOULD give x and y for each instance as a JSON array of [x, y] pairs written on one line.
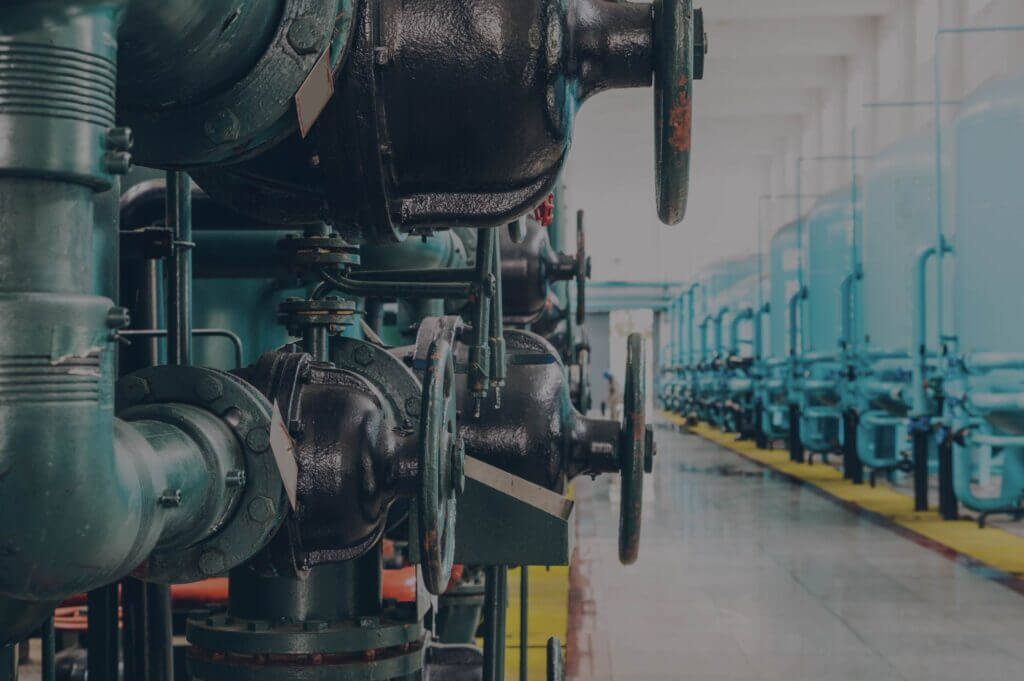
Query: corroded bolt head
[[261, 509], [134, 388], [303, 35], [119, 139], [363, 356], [257, 625], [258, 439], [222, 126], [211, 562], [117, 162], [209, 388]]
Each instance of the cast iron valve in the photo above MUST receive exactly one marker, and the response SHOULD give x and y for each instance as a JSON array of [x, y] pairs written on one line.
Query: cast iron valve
[[528, 268], [539, 436], [438, 114], [365, 433]]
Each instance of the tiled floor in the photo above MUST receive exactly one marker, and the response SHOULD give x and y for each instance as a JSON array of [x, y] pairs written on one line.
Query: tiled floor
[[743, 576]]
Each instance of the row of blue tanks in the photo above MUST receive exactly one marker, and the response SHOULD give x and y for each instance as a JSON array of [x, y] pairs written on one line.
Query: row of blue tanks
[[886, 325]]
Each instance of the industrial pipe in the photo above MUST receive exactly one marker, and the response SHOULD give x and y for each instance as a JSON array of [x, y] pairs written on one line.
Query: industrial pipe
[[94, 496], [719, 345], [794, 311], [734, 328], [919, 399], [690, 322], [984, 362], [704, 337]]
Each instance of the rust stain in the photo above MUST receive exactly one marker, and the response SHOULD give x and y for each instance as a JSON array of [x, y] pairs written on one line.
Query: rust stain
[[680, 120]]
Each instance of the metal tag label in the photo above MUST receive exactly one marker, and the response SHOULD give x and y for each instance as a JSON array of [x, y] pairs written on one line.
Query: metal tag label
[[283, 446], [314, 93]]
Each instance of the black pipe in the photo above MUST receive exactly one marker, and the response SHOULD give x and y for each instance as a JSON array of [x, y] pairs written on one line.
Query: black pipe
[[495, 604], [179, 271], [796, 447], [49, 644], [524, 617], [102, 631], [853, 467], [949, 508]]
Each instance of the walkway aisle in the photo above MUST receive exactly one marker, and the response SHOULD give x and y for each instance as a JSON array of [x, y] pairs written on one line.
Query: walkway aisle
[[746, 577]]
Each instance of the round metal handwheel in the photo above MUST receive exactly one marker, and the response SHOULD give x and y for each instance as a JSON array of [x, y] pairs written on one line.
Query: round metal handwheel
[[582, 271], [679, 48], [633, 451], [441, 469]]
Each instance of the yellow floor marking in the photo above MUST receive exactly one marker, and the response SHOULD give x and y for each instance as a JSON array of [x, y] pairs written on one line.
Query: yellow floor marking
[[548, 616], [991, 546]]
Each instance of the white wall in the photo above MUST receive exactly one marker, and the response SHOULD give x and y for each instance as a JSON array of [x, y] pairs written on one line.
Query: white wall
[[896, 63]]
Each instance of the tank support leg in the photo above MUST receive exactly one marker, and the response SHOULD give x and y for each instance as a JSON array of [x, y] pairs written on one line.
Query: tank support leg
[[495, 604], [853, 467], [796, 447], [921, 470], [948, 507]]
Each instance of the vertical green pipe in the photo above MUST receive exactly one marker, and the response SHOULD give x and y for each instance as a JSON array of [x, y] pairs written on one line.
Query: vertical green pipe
[[102, 660], [49, 671], [495, 603], [524, 612], [179, 289], [691, 348], [9, 663]]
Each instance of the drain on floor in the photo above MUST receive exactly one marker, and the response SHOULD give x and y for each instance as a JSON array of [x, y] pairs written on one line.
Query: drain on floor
[[725, 470]]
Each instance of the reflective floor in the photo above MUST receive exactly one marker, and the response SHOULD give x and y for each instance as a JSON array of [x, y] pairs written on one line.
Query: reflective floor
[[749, 577]]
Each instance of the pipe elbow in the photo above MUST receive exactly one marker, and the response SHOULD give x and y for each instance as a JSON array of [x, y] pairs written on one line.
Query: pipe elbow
[[77, 493]]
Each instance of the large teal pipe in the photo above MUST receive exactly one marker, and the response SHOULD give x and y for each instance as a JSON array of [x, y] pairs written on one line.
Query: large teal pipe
[[86, 497]]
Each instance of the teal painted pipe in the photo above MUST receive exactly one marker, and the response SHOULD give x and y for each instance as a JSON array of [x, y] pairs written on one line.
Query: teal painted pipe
[[984, 362], [719, 340], [441, 250], [93, 495], [794, 321], [704, 337], [919, 400], [691, 322], [734, 329]]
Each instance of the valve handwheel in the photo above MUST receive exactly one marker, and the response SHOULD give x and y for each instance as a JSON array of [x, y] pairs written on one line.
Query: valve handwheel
[[633, 452], [582, 271], [679, 49], [441, 467]]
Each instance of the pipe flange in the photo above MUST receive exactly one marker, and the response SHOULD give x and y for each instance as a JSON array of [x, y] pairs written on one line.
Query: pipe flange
[[239, 636], [336, 314], [396, 382], [258, 110], [261, 508], [313, 253]]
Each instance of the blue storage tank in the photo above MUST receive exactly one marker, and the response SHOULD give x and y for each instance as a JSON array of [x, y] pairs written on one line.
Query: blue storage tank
[[827, 248], [899, 228], [785, 278], [989, 253], [899, 222], [828, 253]]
